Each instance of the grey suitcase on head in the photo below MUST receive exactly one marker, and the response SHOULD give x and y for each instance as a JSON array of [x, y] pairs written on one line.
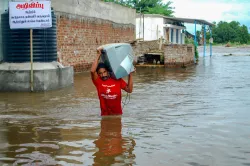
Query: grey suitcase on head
[[119, 59]]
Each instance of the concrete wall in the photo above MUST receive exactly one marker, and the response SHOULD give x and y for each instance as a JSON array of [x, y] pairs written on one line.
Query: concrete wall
[[44, 80], [97, 9], [179, 37], [174, 36], [169, 30], [151, 25], [139, 27], [178, 55], [3, 7]]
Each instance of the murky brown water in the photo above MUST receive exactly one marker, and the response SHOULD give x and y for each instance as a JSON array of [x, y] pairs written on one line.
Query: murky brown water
[[197, 116]]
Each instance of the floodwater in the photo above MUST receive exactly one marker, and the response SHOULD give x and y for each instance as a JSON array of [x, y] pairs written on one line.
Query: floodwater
[[197, 116]]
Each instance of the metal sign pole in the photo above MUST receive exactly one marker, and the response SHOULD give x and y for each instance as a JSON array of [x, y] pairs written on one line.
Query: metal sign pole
[[204, 48], [195, 39], [31, 62], [211, 41]]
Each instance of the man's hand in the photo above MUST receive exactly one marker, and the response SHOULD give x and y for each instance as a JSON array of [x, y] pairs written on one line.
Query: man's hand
[[133, 71], [94, 74], [99, 51]]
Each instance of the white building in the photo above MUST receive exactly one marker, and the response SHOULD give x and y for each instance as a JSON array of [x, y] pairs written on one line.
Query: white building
[[155, 26]]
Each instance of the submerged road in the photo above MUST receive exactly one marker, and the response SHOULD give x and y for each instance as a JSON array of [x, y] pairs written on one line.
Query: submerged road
[[197, 116]]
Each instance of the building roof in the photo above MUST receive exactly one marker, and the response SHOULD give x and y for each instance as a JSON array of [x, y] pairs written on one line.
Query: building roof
[[185, 20]]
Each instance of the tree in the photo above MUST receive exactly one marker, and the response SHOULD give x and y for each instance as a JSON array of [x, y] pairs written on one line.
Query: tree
[[147, 6], [163, 9], [236, 29], [243, 33], [225, 32]]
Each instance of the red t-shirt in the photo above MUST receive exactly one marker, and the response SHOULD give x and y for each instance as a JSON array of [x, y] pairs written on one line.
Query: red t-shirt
[[109, 93]]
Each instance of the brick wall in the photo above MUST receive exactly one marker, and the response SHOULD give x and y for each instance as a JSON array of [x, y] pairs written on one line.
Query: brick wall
[[145, 47], [178, 55], [174, 55], [78, 37]]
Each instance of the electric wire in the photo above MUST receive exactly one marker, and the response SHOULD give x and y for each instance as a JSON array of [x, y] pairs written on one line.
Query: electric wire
[[125, 103]]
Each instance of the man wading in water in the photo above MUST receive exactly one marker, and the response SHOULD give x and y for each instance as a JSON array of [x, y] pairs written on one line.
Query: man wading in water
[[109, 89]]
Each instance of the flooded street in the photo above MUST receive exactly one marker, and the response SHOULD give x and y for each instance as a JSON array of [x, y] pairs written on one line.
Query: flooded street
[[197, 116]]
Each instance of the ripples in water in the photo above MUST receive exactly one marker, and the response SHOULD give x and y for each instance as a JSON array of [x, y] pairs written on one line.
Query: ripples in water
[[196, 116]]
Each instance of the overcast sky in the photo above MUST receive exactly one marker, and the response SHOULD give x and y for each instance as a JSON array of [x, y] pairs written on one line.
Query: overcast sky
[[213, 10]]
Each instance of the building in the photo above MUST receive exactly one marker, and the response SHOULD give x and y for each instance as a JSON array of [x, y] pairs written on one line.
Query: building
[[172, 52], [154, 26]]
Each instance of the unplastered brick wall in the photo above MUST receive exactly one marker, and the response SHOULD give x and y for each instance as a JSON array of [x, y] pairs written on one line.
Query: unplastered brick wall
[[178, 55], [145, 47], [78, 37]]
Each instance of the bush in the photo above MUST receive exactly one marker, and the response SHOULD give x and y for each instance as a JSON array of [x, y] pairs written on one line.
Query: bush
[[189, 41], [196, 53]]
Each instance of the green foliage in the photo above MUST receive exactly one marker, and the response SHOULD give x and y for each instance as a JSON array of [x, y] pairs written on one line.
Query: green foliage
[[163, 9], [147, 6], [189, 41], [232, 32], [196, 53], [198, 33], [162, 59]]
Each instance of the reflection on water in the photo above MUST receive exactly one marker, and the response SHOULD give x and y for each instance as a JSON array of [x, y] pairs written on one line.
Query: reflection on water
[[26, 143], [52, 142], [112, 147], [193, 116]]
